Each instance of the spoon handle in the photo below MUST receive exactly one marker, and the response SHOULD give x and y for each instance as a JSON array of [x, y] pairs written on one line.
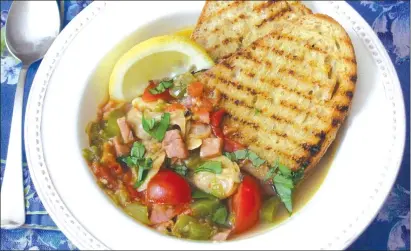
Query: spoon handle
[[12, 190]]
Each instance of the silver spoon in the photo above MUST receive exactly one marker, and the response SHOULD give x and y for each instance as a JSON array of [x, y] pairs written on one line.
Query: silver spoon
[[31, 28]]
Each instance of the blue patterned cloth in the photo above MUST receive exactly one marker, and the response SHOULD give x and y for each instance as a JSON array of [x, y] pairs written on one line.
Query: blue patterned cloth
[[389, 230]]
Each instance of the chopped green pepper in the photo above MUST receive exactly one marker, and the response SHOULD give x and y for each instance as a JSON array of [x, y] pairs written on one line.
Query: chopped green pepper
[[111, 129], [190, 228], [269, 209], [193, 161], [96, 133], [181, 82], [138, 212], [204, 208], [91, 154], [122, 196], [199, 194]]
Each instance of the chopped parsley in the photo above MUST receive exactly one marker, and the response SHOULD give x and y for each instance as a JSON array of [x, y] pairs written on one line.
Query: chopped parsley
[[136, 159], [245, 154], [211, 167], [157, 129], [161, 87], [180, 169], [284, 182], [257, 111], [143, 166], [138, 150]]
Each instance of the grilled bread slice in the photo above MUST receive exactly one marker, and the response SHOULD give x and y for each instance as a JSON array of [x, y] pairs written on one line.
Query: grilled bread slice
[[288, 92], [226, 26]]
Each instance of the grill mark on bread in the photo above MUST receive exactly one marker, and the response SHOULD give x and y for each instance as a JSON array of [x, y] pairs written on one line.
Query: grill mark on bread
[[279, 52], [273, 116], [265, 5], [275, 16], [349, 94], [257, 143], [290, 72], [299, 103], [265, 95], [220, 12], [225, 95], [307, 44]]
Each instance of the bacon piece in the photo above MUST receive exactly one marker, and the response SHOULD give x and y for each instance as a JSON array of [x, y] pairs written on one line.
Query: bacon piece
[[174, 145], [125, 130], [121, 149], [211, 148]]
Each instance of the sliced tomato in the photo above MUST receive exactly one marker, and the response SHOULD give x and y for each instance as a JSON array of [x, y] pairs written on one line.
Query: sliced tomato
[[232, 145], [195, 89], [169, 188], [216, 119], [149, 97], [246, 204], [175, 107]]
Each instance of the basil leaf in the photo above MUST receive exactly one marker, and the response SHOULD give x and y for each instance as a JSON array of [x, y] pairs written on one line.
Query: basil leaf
[[231, 156], [138, 150], [161, 87], [245, 154], [129, 161], [241, 154], [148, 124], [180, 169], [157, 129], [198, 194], [220, 216], [146, 163], [269, 174], [283, 180], [210, 166], [257, 161], [285, 194], [143, 166], [138, 184], [160, 130], [284, 170]]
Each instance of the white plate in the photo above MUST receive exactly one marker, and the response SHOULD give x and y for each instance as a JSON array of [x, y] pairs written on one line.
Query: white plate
[[72, 80]]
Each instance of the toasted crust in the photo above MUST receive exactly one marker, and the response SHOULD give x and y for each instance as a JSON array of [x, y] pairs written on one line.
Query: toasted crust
[[300, 78], [226, 26]]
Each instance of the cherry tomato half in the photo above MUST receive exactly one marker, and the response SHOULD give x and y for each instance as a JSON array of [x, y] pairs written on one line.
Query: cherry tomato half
[[149, 97], [169, 188], [246, 204]]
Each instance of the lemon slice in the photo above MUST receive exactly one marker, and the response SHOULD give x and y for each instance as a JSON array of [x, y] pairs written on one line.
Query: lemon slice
[[185, 32], [155, 58]]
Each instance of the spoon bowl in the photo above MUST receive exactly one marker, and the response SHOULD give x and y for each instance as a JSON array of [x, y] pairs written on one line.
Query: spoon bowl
[[31, 28]]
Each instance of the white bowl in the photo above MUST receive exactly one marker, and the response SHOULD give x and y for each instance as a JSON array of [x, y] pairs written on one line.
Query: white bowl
[[72, 81]]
